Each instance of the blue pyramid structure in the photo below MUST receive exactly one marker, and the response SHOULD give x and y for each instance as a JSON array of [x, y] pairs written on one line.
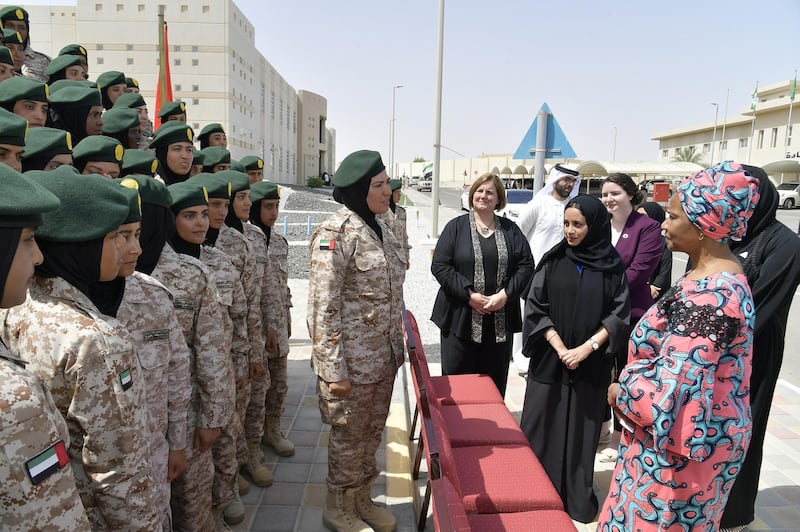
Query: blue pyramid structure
[[558, 147]]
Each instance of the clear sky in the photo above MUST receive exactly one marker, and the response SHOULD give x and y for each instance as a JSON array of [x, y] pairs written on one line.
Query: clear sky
[[639, 66]]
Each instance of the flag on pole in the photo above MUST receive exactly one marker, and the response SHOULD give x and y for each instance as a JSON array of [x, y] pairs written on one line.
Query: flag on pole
[[755, 98], [164, 90], [794, 87]]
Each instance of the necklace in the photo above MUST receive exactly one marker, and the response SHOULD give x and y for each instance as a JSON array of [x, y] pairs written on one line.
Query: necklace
[[484, 229]]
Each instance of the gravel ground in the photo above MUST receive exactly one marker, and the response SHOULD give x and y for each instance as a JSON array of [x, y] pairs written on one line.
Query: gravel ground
[[310, 202]]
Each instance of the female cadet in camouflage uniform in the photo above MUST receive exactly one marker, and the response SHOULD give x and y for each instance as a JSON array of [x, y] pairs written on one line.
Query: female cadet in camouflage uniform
[[173, 145], [38, 490], [265, 198], [16, 18], [67, 333], [355, 297]]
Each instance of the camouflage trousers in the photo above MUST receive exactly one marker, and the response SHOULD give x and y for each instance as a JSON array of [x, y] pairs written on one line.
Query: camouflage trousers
[[191, 494], [230, 450], [254, 417], [357, 424], [159, 464], [276, 395]]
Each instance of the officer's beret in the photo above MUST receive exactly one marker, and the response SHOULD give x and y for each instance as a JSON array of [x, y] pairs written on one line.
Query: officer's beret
[[214, 155], [264, 190], [239, 180], [209, 129], [112, 77], [152, 191], [131, 191], [252, 162], [131, 100], [23, 88], [117, 120], [98, 148], [131, 82], [215, 186], [187, 194], [62, 62], [362, 164], [13, 128], [91, 205], [13, 37], [396, 184], [139, 162], [73, 49], [47, 141], [13, 13], [75, 96], [172, 108], [5, 56], [61, 84], [172, 132], [237, 165], [197, 156], [23, 201]]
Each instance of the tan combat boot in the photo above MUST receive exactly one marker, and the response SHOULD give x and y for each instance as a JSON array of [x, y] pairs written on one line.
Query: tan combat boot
[[381, 519], [260, 475], [275, 438], [339, 513], [244, 486]]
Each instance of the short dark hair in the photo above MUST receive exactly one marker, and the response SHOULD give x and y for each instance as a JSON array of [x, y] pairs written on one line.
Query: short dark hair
[[626, 183]]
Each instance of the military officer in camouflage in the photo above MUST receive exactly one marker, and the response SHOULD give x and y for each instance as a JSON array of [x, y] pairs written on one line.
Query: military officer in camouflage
[[212, 135], [68, 333], [38, 490], [355, 296], [16, 18]]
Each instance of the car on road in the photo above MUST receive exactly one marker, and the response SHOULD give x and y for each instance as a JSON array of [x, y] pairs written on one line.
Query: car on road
[[789, 195], [516, 200], [425, 183], [414, 181], [465, 198]]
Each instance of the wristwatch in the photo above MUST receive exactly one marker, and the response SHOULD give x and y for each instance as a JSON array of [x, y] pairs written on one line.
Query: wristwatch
[[593, 343]]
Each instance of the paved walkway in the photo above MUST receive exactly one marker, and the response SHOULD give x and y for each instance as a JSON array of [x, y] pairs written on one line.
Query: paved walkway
[[294, 502]]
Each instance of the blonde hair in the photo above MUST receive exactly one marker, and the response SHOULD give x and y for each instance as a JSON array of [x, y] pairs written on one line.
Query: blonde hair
[[498, 185]]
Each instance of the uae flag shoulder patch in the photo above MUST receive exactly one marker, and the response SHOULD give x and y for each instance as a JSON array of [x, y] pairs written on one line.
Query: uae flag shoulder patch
[[327, 244], [47, 462]]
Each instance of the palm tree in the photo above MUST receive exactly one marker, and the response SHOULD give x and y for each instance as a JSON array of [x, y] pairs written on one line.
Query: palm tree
[[688, 155]]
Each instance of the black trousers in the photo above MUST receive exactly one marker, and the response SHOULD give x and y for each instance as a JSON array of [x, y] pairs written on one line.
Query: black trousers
[[460, 356]]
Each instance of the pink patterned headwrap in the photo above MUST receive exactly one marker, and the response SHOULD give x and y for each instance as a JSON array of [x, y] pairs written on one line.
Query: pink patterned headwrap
[[720, 200]]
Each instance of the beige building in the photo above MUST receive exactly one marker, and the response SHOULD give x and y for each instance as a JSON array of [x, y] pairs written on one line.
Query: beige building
[[216, 69]]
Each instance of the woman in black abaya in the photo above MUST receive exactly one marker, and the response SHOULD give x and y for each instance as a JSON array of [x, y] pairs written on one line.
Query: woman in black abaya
[[576, 319]]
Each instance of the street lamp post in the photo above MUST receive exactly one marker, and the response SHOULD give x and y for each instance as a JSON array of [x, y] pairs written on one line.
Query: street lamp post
[[714, 135], [391, 150]]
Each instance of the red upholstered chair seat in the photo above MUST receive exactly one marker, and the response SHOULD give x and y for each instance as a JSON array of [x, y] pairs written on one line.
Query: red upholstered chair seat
[[481, 424], [465, 389]]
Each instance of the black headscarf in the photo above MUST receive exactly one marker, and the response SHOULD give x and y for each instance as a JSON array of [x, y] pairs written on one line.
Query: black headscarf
[[354, 198], [71, 118], [211, 237], [233, 221], [107, 295], [255, 219], [158, 226], [9, 240], [183, 247], [766, 209], [654, 211], [169, 177]]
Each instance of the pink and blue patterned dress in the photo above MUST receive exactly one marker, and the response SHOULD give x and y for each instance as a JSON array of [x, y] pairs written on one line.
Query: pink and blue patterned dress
[[686, 390]]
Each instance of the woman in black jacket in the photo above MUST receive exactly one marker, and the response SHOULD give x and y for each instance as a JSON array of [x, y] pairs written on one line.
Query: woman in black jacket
[[483, 263], [662, 277]]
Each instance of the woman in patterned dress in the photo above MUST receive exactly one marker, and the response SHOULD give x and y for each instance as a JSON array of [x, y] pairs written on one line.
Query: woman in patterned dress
[[684, 396]]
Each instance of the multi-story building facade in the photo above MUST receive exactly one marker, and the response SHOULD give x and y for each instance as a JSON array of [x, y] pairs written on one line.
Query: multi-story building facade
[[216, 70]]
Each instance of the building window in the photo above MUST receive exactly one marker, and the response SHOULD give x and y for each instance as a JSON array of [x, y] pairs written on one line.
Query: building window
[[196, 126], [184, 8], [760, 139], [177, 62], [120, 7], [129, 47], [205, 9], [706, 147], [195, 62], [177, 87], [176, 48], [773, 138], [140, 8], [98, 7], [99, 47], [677, 152], [743, 142], [664, 153], [723, 145], [195, 49], [272, 107], [195, 101], [195, 88], [789, 136], [129, 61], [99, 60]]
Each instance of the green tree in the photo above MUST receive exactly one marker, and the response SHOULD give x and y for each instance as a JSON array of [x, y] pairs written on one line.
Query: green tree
[[688, 155], [419, 159]]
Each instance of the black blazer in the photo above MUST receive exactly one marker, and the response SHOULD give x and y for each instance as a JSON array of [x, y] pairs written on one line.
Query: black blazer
[[453, 266]]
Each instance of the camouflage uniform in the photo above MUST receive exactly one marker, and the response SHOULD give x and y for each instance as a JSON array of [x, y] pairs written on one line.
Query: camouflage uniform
[[233, 318], [88, 361], [146, 137], [281, 301], [148, 314], [355, 298], [398, 220], [30, 427], [212, 381], [35, 64]]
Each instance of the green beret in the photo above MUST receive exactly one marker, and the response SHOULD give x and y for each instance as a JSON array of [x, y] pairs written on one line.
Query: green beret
[[91, 205], [172, 108], [187, 194], [131, 100], [5, 56], [61, 63], [239, 180], [197, 156], [99, 149], [396, 184], [61, 84], [13, 128], [13, 37], [23, 201], [19, 88], [172, 132], [152, 191], [362, 164], [76, 96], [119, 120], [237, 166], [214, 155], [216, 187], [73, 49], [112, 77], [252, 162], [131, 82], [264, 190], [209, 129], [13, 13], [47, 141], [134, 202], [139, 162]]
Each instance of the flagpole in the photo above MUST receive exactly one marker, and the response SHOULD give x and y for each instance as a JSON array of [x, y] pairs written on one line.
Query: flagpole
[[789, 122], [724, 123]]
